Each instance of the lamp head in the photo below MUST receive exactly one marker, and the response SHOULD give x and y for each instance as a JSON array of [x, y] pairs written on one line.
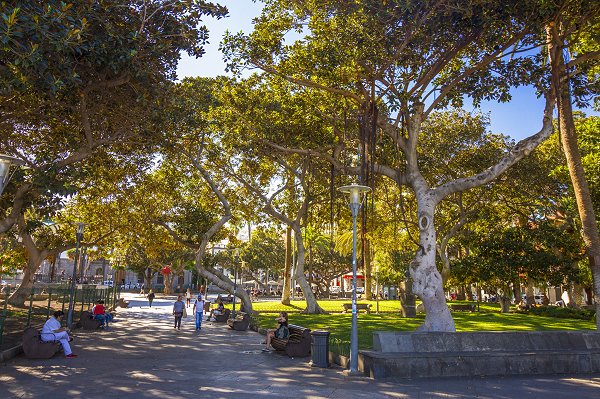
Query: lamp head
[[355, 192], [6, 162], [80, 227]]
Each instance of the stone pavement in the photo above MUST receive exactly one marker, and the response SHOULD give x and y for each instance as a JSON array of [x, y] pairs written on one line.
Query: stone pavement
[[144, 357]]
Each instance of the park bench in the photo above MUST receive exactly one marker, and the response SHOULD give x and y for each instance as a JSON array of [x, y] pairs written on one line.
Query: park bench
[[297, 344], [359, 306], [240, 322], [35, 348], [87, 321], [222, 318], [462, 307]]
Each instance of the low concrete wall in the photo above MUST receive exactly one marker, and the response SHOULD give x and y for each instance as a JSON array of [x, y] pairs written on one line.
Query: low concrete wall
[[10, 353], [420, 354]]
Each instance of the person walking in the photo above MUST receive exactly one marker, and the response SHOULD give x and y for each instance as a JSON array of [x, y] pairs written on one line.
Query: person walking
[[188, 297], [150, 297], [199, 310], [178, 309]]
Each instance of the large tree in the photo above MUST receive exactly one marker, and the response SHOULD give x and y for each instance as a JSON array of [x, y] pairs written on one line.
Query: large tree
[[576, 22], [398, 62], [80, 80]]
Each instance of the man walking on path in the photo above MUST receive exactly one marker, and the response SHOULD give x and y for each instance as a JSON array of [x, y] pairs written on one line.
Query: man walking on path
[[199, 310]]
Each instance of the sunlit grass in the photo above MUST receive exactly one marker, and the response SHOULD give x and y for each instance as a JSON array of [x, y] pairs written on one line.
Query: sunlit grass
[[330, 305]]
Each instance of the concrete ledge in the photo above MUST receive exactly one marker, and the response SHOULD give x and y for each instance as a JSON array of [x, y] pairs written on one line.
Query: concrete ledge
[[8, 354], [419, 354], [484, 341]]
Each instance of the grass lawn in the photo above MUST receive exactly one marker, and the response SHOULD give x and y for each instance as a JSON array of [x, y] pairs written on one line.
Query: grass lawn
[[488, 319]]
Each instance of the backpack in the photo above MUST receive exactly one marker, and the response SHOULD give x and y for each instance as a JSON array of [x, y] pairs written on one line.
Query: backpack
[[282, 332]]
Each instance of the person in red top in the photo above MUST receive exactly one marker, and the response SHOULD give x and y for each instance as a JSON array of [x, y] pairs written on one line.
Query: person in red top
[[100, 314]]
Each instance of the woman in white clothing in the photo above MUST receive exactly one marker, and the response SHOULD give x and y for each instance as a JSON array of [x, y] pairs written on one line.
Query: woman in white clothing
[[52, 331]]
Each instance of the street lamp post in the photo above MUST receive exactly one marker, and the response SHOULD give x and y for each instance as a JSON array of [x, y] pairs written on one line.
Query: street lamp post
[[79, 237], [6, 163], [355, 193]]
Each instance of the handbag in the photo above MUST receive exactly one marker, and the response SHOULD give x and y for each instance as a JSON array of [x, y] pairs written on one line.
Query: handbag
[[184, 312]]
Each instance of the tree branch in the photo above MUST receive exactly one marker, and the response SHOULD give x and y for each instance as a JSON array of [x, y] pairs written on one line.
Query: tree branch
[[518, 152]]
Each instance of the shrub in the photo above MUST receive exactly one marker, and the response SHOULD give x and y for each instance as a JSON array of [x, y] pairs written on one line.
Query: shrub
[[563, 313]]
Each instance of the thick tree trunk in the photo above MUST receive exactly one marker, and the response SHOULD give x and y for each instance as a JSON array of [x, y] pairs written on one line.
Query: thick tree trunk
[[427, 281], [368, 269], [590, 234], [285, 295], [223, 282], [21, 294], [445, 265], [530, 294], [147, 279], [408, 306], [168, 284], [516, 290], [504, 304], [578, 296], [311, 301]]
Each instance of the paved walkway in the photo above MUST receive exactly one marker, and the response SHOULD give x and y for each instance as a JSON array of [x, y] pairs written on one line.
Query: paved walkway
[[144, 357]]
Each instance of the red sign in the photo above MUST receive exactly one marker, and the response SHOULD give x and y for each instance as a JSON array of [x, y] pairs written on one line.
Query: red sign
[[166, 270]]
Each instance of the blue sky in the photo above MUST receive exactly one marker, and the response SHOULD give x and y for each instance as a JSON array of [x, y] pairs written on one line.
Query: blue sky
[[519, 118]]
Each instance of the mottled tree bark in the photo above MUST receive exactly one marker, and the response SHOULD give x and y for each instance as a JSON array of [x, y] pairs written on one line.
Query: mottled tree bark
[[285, 295]]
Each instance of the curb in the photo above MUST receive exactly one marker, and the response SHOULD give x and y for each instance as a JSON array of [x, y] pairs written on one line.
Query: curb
[[11, 353]]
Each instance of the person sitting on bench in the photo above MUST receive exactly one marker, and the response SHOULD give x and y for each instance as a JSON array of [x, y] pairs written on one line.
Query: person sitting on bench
[[282, 332], [52, 331], [100, 314], [219, 310]]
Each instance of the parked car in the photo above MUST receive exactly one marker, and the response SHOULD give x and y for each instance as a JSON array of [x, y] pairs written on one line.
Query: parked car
[[360, 290], [335, 289], [108, 283]]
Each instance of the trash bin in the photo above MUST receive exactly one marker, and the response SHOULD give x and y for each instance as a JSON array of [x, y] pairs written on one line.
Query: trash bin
[[319, 348]]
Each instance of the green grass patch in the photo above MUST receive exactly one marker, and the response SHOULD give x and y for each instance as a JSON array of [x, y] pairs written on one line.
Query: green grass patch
[[330, 306]]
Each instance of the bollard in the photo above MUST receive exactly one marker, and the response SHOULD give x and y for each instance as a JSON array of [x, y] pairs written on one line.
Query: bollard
[[320, 348]]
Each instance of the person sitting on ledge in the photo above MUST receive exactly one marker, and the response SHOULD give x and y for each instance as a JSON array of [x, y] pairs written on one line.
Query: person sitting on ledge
[[52, 331], [100, 314], [219, 310]]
